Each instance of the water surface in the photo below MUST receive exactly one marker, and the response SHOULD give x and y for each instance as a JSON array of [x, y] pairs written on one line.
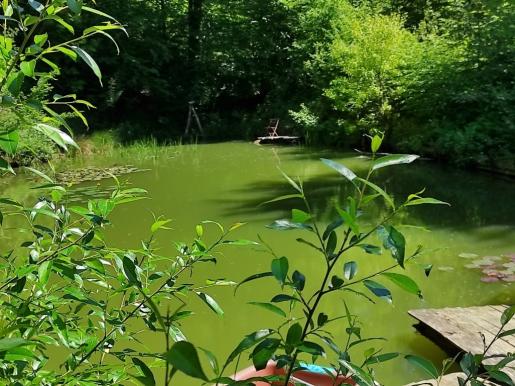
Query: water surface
[[227, 182]]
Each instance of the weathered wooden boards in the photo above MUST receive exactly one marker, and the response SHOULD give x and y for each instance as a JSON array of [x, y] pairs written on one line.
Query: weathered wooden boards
[[447, 380], [278, 140], [463, 327]]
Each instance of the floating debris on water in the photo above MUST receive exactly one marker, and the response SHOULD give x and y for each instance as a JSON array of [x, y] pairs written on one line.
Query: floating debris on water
[[494, 268], [77, 176], [468, 255], [445, 269]]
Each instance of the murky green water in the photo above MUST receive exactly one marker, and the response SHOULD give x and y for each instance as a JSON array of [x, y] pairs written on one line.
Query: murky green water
[[226, 182]]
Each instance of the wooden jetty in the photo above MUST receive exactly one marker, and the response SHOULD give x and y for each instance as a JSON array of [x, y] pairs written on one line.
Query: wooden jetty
[[461, 328], [278, 140], [446, 380]]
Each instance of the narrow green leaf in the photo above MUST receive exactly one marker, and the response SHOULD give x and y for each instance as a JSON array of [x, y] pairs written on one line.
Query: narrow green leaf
[[89, 61], [343, 170], [423, 364], [404, 282], [282, 198], [379, 290], [426, 201], [507, 315], [254, 277], [394, 159], [269, 307], [381, 192], [147, 377], [247, 342], [211, 303]]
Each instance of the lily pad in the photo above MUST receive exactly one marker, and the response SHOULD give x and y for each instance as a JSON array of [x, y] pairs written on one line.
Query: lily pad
[[509, 279], [468, 255], [490, 279]]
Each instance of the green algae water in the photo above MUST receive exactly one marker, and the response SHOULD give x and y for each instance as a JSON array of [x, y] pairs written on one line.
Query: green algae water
[[228, 182]]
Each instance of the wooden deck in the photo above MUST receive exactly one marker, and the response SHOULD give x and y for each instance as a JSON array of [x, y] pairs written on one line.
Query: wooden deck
[[278, 140], [462, 327], [447, 380]]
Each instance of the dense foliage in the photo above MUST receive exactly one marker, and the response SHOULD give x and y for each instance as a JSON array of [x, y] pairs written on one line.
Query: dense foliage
[[437, 76]]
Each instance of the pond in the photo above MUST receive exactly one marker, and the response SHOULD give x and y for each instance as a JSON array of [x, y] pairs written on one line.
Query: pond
[[227, 182]]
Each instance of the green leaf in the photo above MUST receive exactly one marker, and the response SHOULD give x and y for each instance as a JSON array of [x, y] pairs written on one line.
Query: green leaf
[[9, 141], [507, 315], [331, 227], [264, 352], [331, 243], [269, 307], [501, 376], [282, 198], [61, 21], [336, 282], [211, 303], [379, 290], [44, 272], [376, 143], [279, 268], [59, 137], [343, 170], [349, 220], [199, 230], [283, 298], [129, 269], [425, 201], [254, 277], [299, 280], [147, 377], [89, 61], [40, 40], [394, 241], [285, 224], [350, 269], [404, 282], [71, 54], [291, 182], [381, 358], [311, 348], [394, 159], [28, 68], [322, 319], [7, 344], [381, 192], [299, 216], [213, 362], [75, 6], [363, 378], [423, 364], [36, 5], [183, 356], [294, 335], [247, 342], [15, 82], [371, 249]]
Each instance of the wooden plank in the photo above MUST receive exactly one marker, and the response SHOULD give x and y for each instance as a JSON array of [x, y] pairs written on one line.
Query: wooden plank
[[447, 380], [463, 328]]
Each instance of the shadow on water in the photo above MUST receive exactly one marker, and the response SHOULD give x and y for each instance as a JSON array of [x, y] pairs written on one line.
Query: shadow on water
[[477, 199]]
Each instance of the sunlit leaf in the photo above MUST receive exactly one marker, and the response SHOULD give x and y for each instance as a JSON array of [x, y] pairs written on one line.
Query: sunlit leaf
[[394, 159], [343, 170]]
